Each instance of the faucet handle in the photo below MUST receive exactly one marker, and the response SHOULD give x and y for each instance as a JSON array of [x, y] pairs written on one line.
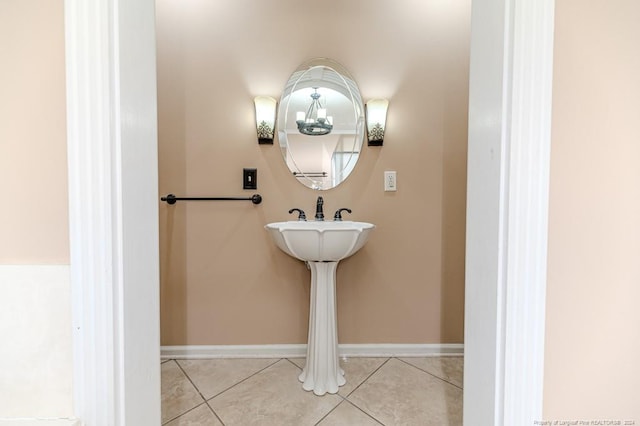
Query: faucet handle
[[338, 215], [301, 215]]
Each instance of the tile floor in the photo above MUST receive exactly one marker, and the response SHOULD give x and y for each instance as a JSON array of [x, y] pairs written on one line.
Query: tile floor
[[379, 391]]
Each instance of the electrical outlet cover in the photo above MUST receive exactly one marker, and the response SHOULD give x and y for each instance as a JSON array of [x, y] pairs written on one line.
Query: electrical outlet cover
[[390, 183]]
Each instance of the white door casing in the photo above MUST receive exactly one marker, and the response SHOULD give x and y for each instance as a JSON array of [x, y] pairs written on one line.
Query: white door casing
[[113, 210], [507, 210]]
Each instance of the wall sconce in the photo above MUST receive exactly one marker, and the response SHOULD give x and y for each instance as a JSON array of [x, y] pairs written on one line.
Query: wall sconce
[[265, 118], [376, 120]]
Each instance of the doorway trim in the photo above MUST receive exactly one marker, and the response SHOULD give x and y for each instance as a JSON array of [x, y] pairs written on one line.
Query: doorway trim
[[507, 210], [112, 161], [113, 210]]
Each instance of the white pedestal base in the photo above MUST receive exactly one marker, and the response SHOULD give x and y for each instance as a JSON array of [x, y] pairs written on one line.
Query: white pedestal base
[[322, 372]]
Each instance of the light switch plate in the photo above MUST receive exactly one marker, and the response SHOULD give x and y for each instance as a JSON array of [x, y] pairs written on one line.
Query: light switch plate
[[249, 178]]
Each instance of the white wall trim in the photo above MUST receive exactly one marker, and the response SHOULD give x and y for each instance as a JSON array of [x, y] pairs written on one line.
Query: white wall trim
[[113, 210], [92, 229], [528, 198], [39, 422], [36, 362], [300, 350], [507, 210]]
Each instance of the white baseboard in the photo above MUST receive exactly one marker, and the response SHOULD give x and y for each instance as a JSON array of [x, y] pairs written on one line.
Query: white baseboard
[[401, 350], [40, 422], [300, 350]]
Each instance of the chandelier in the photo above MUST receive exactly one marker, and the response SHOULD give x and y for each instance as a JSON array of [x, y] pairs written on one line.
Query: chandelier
[[315, 122]]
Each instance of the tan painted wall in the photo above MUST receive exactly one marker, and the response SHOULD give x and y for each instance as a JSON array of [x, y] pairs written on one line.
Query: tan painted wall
[[33, 165], [35, 293], [223, 280], [593, 321]]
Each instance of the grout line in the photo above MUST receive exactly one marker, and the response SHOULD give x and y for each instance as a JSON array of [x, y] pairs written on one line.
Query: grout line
[[330, 411], [366, 378], [191, 381], [295, 365], [204, 399], [364, 412], [180, 415], [345, 397], [194, 386], [431, 374], [245, 379], [214, 413], [362, 383]]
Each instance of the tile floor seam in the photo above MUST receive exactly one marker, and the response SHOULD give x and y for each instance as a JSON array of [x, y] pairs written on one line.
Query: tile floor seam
[[297, 366], [175, 361], [241, 381], [365, 379], [364, 412], [346, 397], [330, 411], [184, 414], [346, 401], [191, 381], [205, 400], [368, 398], [214, 413], [275, 364], [431, 374]]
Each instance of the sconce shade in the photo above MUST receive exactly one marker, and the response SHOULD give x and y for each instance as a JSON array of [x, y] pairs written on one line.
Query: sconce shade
[[265, 118], [376, 121]]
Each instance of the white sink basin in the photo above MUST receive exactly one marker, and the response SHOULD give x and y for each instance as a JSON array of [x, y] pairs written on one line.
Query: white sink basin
[[322, 245], [320, 241]]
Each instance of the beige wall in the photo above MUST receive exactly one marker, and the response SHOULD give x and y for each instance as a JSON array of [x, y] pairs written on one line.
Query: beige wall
[[593, 321], [35, 297], [33, 165], [223, 280]]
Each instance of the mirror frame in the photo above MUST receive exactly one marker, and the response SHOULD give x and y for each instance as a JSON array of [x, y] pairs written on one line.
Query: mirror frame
[[335, 77]]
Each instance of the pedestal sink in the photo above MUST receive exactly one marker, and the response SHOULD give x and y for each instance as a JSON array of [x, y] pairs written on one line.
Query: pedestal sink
[[322, 245]]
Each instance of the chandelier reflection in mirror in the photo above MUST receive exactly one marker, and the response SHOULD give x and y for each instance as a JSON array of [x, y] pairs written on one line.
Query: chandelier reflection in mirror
[[315, 122]]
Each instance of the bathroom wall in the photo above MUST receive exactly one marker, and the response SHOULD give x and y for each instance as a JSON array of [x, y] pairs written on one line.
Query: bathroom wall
[[35, 305], [222, 280], [592, 336]]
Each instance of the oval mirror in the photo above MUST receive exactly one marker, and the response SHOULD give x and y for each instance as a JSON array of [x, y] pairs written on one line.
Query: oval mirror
[[321, 124]]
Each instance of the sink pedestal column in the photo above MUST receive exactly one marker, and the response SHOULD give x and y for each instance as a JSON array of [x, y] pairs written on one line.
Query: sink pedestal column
[[322, 372]]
